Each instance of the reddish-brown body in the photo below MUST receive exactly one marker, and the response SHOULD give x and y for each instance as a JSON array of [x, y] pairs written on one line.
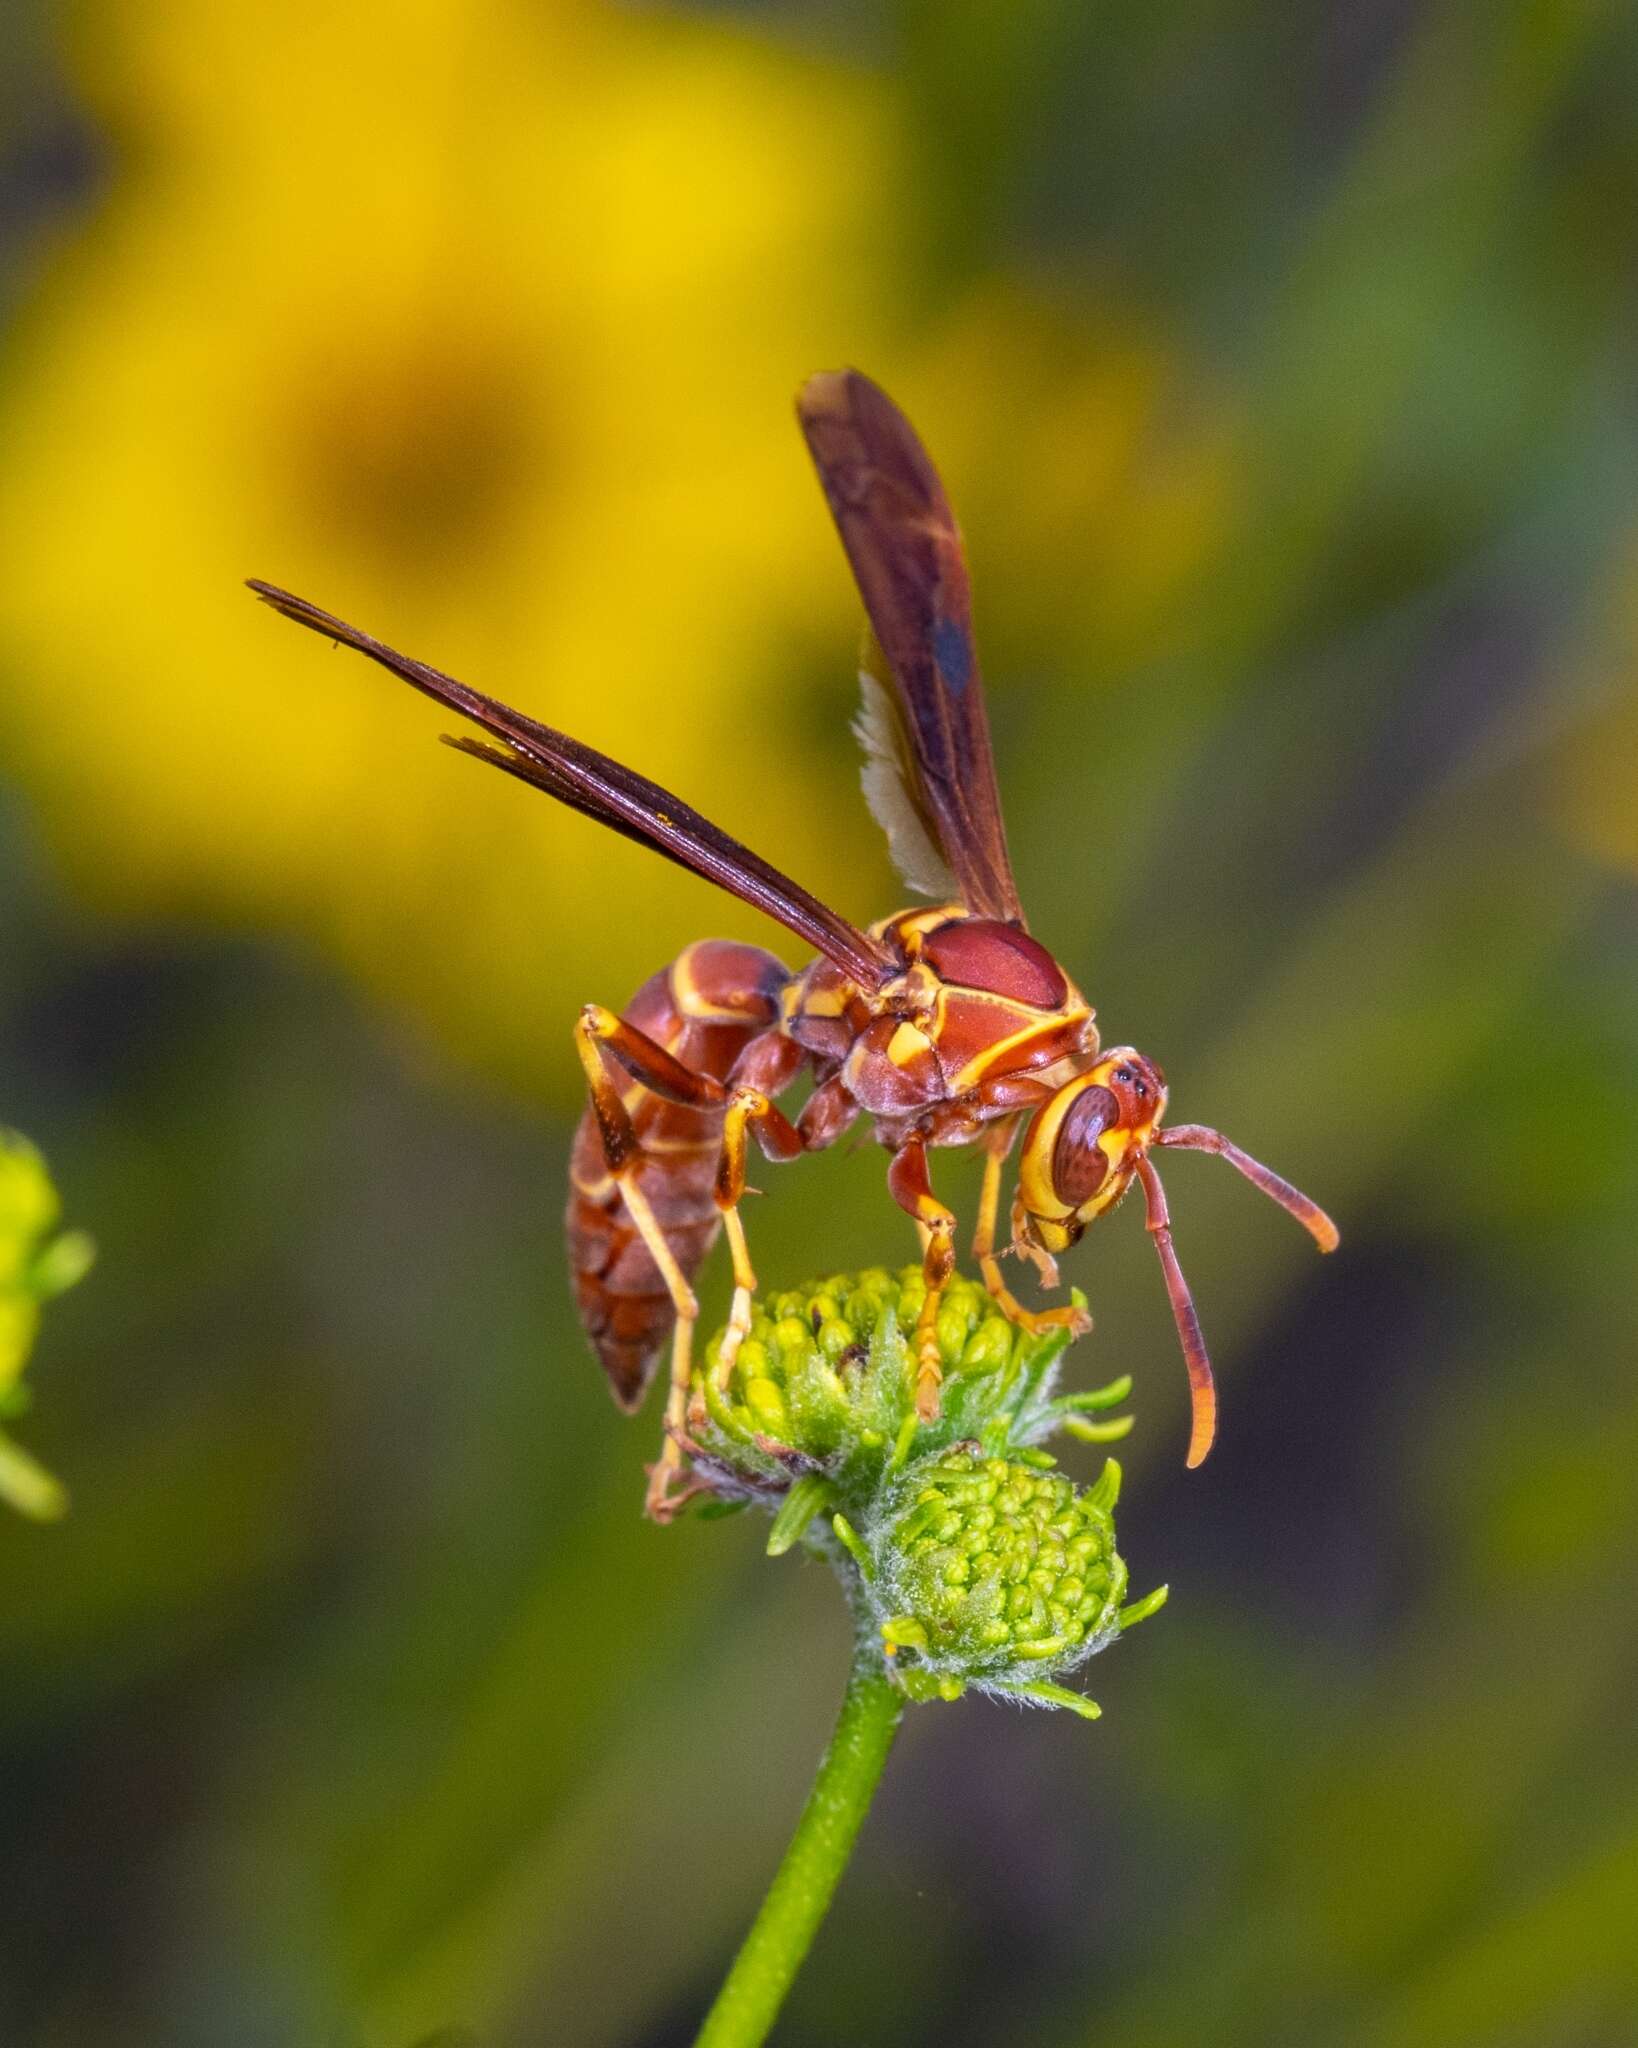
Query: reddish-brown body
[[927, 1055], [705, 1008]]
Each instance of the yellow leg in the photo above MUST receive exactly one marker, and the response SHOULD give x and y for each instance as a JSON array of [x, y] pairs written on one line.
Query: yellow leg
[[1076, 1320], [748, 1110], [908, 1183], [662, 1503], [937, 1264], [739, 1315]]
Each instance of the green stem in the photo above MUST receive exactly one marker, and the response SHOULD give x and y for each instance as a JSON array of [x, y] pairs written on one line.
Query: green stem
[[783, 1930]]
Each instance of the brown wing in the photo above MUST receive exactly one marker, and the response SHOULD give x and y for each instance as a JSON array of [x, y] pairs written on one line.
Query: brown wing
[[589, 782], [905, 548]]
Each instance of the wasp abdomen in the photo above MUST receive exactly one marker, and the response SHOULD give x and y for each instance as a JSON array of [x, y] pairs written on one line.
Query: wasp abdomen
[[704, 1009]]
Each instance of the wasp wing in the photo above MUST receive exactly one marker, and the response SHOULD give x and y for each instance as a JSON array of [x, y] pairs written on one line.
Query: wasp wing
[[589, 782], [905, 549], [891, 785]]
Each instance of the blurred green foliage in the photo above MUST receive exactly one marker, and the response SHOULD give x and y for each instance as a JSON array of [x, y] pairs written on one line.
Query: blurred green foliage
[[1279, 361], [35, 1264]]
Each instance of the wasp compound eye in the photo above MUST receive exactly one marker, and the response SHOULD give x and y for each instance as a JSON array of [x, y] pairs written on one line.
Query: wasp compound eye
[[1079, 1164]]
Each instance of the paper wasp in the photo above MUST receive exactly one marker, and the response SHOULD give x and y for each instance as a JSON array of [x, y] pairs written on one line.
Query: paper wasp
[[944, 1026]]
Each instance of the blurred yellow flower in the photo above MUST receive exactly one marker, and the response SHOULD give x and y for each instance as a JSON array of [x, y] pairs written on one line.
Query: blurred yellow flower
[[479, 324]]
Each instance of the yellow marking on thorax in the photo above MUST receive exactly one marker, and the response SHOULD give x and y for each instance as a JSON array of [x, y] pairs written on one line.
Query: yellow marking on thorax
[[985, 1062], [916, 990], [692, 1001], [824, 1002], [918, 920], [911, 927], [908, 1043]]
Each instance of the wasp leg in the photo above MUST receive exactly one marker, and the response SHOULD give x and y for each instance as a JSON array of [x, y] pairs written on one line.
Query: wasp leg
[[749, 1109], [997, 1142], [826, 1114], [909, 1186], [599, 1036]]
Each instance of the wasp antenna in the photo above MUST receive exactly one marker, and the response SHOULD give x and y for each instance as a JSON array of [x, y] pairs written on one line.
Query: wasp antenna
[[1198, 1138], [1202, 1387]]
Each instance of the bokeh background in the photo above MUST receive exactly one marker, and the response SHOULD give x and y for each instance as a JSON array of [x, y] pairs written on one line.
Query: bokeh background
[[1281, 363]]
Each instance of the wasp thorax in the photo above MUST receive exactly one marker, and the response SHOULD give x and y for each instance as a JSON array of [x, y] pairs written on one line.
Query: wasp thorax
[[983, 953]]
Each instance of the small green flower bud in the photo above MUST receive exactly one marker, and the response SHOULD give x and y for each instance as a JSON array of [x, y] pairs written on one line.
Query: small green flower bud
[[825, 1380], [994, 1573]]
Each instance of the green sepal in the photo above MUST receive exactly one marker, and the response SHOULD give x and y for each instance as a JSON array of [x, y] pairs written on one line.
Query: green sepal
[[719, 1510], [1097, 1432], [1047, 1694], [1105, 1489], [902, 1442], [1140, 1610], [846, 1536], [1110, 1396], [805, 1499], [928, 1685], [903, 1632]]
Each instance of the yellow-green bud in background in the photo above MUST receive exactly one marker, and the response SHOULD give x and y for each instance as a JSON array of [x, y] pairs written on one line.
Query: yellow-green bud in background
[[968, 1557], [35, 1264]]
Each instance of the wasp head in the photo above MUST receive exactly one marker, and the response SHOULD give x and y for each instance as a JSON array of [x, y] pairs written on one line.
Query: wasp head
[[1082, 1149]]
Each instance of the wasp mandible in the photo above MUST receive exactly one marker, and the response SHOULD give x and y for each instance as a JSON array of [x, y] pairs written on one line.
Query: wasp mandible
[[945, 1026]]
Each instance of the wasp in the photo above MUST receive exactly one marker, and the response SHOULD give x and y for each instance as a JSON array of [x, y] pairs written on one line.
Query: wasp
[[950, 1025]]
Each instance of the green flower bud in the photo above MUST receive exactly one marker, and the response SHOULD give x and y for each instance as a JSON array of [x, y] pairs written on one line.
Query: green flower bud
[[994, 1572], [33, 1266], [972, 1558], [824, 1380]]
